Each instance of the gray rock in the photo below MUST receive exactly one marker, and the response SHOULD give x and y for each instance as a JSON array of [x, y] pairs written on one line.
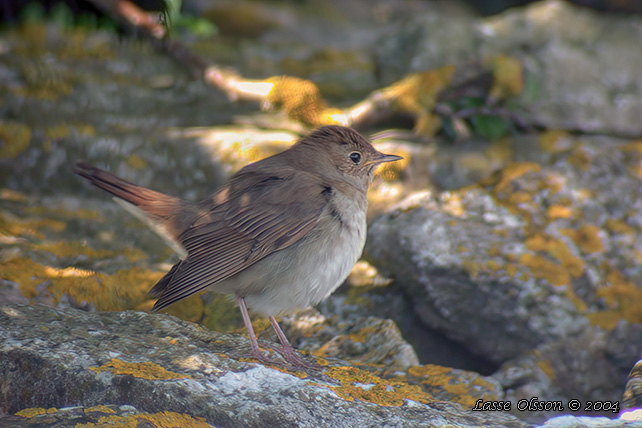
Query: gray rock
[[62, 358], [538, 258], [580, 70]]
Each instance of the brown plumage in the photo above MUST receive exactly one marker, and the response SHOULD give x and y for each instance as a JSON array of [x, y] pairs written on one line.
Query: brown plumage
[[281, 233]]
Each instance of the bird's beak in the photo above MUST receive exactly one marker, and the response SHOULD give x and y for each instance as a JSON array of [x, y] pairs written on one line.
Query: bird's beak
[[381, 158]]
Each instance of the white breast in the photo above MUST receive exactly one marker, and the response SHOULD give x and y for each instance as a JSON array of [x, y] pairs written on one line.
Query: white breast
[[312, 269]]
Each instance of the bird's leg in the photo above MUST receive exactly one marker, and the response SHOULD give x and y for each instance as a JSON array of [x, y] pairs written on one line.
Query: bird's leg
[[256, 352], [287, 351]]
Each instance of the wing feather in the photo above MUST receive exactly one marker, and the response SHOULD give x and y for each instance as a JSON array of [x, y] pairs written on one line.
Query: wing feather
[[253, 221]]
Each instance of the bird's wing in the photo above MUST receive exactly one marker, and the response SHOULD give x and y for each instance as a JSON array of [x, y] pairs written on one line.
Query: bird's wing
[[246, 222]]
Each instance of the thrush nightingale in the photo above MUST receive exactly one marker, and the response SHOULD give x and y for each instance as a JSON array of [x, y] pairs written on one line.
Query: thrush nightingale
[[282, 233]]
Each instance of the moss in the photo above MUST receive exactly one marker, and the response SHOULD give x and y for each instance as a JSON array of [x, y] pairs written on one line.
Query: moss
[[15, 138], [220, 314], [146, 370], [357, 384], [188, 309]]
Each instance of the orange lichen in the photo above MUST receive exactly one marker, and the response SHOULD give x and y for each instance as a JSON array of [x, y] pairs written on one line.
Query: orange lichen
[[586, 237], [558, 250], [622, 297], [156, 420], [146, 370], [357, 384], [464, 388], [558, 211], [504, 178], [546, 269]]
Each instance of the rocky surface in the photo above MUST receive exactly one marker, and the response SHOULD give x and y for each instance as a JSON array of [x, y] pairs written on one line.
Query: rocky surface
[[580, 73], [542, 254], [63, 358]]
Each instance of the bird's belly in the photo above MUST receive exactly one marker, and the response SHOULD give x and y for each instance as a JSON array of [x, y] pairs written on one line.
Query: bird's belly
[[308, 271]]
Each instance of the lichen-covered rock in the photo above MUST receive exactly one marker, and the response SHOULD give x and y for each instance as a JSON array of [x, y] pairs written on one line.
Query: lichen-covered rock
[[579, 73], [60, 358], [536, 254]]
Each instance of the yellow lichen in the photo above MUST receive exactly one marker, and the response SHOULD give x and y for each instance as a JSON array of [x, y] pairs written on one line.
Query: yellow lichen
[[35, 411], [622, 297], [452, 204], [546, 367], [558, 211], [548, 270], [417, 93], [508, 77], [102, 409], [146, 370], [15, 138], [136, 162], [635, 146], [620, 227], [123, 290], [558, 250], [586, 237], [512, 171], [580, 158], [357, 384], [555, 141], [156, 420], [299, 98], [463, 389]]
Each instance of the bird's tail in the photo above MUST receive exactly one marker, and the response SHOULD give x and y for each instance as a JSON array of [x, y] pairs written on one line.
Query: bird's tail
[[159, 211]]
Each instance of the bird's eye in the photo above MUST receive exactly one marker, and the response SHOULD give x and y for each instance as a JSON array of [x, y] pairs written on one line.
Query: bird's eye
[[355, 157]]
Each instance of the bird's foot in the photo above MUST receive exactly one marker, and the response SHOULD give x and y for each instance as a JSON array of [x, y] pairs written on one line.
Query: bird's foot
[[296, 360]]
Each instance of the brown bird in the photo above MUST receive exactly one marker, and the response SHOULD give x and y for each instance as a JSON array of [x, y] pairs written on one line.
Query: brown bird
[[282, 233]]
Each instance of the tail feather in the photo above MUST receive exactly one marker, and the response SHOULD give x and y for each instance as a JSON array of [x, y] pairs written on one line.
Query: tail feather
[[156, 204], [165, 214]]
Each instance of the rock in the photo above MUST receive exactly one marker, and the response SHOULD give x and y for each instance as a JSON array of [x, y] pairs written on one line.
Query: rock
[[63, 358], [543, 255], [579, 71]]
